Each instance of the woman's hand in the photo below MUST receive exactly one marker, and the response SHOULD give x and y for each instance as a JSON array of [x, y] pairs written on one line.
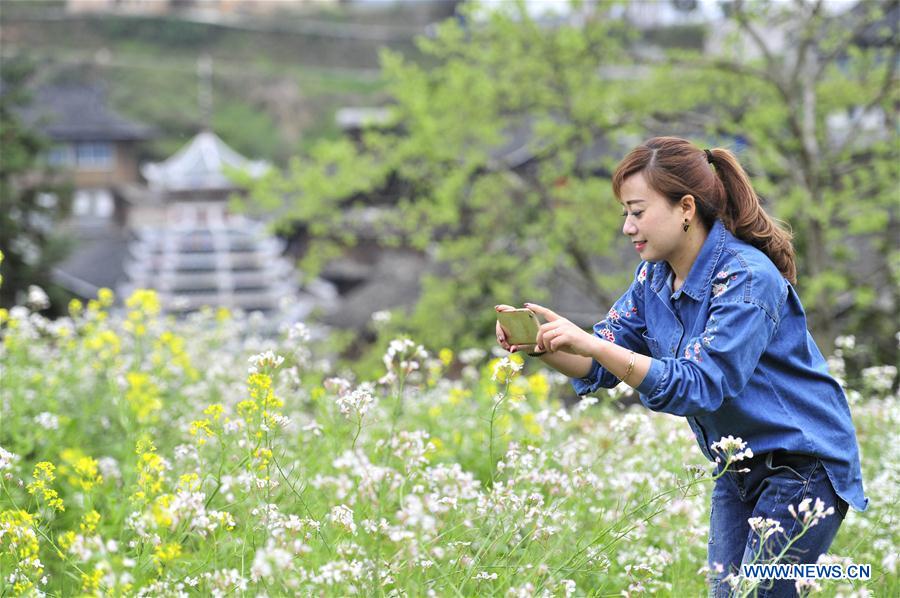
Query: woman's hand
[[559, 334], [502, 333]]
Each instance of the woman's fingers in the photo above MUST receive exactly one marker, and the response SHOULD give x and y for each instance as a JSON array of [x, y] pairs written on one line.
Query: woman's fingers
[[502, 334], [548, 314]]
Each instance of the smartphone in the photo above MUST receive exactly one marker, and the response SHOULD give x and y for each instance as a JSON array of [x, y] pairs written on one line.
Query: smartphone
[[521, 326]]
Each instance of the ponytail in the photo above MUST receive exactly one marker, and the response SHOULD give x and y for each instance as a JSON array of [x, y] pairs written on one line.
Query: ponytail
[[745, 217], [675, 167]]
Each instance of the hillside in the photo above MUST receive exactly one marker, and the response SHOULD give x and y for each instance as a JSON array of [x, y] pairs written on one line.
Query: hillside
[[277, 81]]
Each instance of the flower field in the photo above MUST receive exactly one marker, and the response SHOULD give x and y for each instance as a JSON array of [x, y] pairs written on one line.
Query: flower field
[[144, 456]]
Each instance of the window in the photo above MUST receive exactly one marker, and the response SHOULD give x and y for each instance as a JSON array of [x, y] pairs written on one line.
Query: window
[[95, 155], [61, 155], [93, 203]]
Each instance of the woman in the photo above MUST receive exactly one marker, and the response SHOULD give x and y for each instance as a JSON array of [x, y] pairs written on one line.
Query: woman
[[712, 329]]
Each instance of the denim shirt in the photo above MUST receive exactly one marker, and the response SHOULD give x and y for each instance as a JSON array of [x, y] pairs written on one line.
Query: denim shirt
[[732, 353]]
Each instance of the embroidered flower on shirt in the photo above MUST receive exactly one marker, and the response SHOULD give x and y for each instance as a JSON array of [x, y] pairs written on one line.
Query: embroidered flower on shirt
[[642, 275], [709, 333], [724, 279], [695, 346], [615, 315], [607, 334]]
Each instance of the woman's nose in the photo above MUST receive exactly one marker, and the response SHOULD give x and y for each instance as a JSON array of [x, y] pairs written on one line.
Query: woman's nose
[[628, 227]]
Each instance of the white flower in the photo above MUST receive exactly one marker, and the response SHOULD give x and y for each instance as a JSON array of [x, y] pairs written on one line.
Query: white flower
[[728, 443], [299, 332], [405, 353], [810, 517], [879, 378], [470, 356], [7, 459], [342, 515], [484, 575], [845, 342], [505, 366], [358, 402], [381, 317], [47, 420], [313, 427], [765, 527], [806, 586], [735, 449], [265, 359], [337, 385], [37, 298]]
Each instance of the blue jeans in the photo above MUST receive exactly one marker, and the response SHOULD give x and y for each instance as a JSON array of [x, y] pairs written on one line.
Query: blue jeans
[[774, 482]]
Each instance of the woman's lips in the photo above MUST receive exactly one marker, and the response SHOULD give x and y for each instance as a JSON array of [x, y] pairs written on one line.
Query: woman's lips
[[639, 245]]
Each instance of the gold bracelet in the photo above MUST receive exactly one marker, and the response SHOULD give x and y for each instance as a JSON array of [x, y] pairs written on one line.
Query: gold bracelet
[[630, 367]]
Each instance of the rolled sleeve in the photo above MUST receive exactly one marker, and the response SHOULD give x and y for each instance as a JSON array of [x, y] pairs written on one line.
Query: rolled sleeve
[[655, 377], [588, 384]]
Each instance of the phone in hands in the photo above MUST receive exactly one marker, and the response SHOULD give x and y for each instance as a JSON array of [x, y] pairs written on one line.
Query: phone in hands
[[521, 326]]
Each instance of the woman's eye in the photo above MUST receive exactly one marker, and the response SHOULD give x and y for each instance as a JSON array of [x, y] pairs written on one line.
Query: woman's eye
[[637, 214]]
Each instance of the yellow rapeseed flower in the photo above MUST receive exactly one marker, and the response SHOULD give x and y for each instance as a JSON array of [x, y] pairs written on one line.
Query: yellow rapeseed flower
[[143, 396], [151, 471], [200, 428], [529, 423], [43, 475], [82, 471], [89, 522], [540, 386], [215, 411], [165, 553], [106, 297], [160, 511], [75, 308], [458, 395], [90, 582], [145, 301]]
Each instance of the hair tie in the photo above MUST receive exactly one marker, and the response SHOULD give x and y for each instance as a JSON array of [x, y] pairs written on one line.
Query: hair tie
[[709, 156]]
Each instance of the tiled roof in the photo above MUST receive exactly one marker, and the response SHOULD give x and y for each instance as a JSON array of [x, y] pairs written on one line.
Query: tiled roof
[[80, 113], [202, 164]]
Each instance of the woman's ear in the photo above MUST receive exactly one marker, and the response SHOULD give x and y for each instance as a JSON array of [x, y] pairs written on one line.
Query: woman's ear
[[688, 206]]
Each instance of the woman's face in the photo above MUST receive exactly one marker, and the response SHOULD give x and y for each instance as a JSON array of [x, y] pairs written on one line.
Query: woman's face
[[652, 222]]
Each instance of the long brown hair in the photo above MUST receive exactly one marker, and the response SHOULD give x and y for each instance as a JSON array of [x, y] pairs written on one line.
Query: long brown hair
[[675, 167]]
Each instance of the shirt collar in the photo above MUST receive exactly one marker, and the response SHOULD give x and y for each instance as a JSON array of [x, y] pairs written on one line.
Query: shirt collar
[[701, 273]]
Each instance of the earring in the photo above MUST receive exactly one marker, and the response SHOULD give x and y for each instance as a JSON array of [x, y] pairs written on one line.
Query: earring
[[687, 225]]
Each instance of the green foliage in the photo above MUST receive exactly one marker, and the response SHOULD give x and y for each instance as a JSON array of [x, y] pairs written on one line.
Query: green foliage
[[31, 201], [503, 225], [818, 122], [497, 225]]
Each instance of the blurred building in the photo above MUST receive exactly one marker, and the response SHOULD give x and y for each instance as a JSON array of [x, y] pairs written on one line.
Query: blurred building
[[170, 230], [95, 146], [192, 250]]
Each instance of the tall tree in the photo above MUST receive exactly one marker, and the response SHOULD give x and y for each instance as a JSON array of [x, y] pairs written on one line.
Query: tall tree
[[507, 225], [493, 162], [813, 96], [32, 200]]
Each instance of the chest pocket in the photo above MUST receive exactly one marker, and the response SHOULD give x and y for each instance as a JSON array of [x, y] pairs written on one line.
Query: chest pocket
[[652, 344]]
